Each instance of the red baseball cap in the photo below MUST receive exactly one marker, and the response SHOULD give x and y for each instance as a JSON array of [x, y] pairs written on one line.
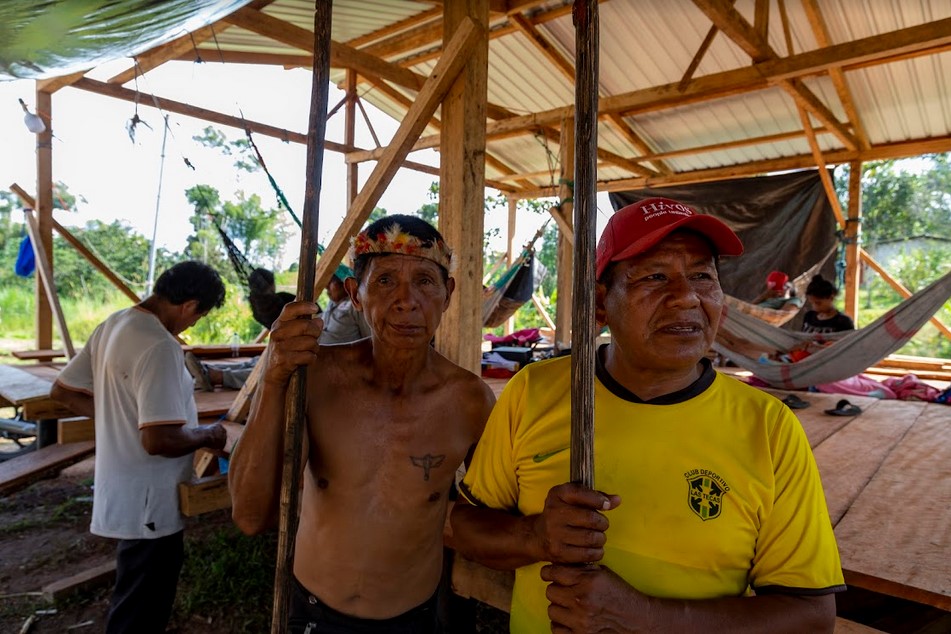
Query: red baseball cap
[[776, 280], [636, 228]]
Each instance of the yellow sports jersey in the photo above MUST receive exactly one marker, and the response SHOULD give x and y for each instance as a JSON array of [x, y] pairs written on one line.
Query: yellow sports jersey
[[719, 489]]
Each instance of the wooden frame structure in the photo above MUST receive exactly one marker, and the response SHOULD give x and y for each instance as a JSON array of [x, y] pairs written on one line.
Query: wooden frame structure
[[388, 61]]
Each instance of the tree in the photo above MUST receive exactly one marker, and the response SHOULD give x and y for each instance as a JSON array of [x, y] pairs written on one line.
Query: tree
[[902, 198], [258, 233]]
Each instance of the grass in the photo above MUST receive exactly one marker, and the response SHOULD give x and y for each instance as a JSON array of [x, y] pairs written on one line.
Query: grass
[[229, 578], [65, 512]]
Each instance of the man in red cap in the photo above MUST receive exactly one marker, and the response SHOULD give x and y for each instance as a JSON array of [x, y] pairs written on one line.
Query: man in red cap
[[721, 494]]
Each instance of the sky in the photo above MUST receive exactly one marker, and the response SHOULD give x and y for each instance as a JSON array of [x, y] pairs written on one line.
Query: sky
[[116, 178]]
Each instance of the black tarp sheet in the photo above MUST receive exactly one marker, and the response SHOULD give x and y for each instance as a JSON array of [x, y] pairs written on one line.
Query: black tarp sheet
[[785, 221], [48, 38]]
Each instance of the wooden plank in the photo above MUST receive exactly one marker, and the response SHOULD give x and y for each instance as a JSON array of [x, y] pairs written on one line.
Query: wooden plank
[[849, 459], [78, 429], [19, 386], [565, 248], [204, 495], [44, 209], [25, 469], [211, 351], [38, 355], [241, 405], [203, 461], [98, 576], [896, 537], [474, 581], [844, 626]]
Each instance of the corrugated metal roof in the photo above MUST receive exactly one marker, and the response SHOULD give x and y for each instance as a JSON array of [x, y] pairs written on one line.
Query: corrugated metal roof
[[646, 46]]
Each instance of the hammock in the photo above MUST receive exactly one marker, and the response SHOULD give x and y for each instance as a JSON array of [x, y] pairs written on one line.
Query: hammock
[[512, 289], [774, 316], [745, 340]]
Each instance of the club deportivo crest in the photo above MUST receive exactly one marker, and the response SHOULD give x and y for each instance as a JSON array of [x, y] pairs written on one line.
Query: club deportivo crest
[[705, 492]]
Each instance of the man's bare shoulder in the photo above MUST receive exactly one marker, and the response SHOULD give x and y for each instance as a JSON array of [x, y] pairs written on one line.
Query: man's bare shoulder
[[466, 384]]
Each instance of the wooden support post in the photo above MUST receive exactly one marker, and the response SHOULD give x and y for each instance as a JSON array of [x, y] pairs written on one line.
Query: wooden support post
[[565, 245], [44, 272], [44, 210], [349, 135], [462, 186], [853, 231], [513, 208], [586, 212]]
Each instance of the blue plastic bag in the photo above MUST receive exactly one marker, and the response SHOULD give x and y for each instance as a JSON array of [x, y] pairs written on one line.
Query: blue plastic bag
[[26, 261]]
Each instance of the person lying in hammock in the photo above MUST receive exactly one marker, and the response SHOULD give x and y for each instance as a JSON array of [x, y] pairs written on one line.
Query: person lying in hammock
[[779, 294]]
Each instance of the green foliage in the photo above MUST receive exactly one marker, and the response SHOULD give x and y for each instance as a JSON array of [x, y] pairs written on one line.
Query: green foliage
[[228, 577], [902, 199], [234, 317]]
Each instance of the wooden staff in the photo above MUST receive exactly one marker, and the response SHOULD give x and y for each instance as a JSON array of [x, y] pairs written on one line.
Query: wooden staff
[[296, 395], [585, 14]]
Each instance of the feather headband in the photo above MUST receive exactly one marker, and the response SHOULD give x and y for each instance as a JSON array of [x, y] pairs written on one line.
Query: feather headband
[[395, 240]]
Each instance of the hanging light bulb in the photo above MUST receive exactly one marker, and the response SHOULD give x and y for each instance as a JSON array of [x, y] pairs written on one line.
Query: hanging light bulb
[[33, 122]]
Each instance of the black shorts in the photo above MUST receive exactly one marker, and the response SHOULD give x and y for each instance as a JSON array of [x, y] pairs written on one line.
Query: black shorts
[[309, 615]]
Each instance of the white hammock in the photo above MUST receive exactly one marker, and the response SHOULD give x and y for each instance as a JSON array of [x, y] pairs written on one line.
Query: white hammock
[[745, 339]]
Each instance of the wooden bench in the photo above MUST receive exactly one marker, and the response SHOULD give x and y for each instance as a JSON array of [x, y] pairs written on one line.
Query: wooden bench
[[27, 468]]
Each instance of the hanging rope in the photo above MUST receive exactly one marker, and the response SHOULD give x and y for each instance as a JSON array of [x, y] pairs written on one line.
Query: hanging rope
[[282, 200]]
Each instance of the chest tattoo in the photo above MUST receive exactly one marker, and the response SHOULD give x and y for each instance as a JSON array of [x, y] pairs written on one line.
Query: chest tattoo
[[427, 462]]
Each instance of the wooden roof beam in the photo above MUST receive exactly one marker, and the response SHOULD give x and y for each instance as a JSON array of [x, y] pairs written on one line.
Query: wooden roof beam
[[397, 27], [877, 49], [747, 37], [903, 149], [240, 57], [814, 14], [341, 55], [639, 144], [151, 59], [880, 48], [53, 84], [437, 86], [145, 99], [430, 35]]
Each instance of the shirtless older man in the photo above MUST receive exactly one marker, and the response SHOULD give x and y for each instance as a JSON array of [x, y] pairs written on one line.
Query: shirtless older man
[[389, 420]]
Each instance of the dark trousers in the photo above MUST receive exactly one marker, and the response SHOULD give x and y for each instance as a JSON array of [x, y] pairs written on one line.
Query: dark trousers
[[309, 615], [146, 577]]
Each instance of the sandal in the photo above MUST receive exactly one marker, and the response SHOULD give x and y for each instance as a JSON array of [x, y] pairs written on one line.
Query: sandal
[[844, 408], [794, 402]]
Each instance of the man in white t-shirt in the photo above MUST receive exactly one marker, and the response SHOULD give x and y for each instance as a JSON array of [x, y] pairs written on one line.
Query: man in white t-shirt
[[131, 378]]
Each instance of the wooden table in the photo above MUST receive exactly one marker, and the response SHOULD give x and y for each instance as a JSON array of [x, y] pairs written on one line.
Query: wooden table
[[28, 387]]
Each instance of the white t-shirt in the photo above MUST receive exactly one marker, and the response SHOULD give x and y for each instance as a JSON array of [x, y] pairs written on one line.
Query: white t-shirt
[[135, 369]]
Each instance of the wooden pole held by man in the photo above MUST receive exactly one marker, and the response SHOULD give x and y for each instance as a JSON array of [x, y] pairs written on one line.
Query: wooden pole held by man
[[296, 396], [584, 328]]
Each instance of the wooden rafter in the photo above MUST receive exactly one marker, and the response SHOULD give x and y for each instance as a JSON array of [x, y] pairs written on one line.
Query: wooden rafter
[[341, 55], [824, 175], [814, 14], [397, 27], [879, 48], [632, 137], [879, 152], [415, 121], [747, 37], [157, 56], [545, 47], [286, 60]]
